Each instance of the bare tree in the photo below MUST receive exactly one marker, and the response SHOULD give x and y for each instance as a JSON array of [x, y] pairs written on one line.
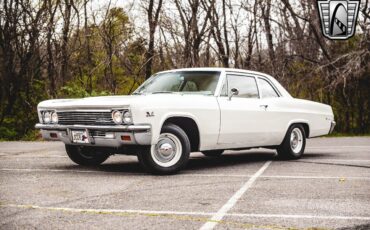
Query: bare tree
[[266, 11], [46, 53], [194, 29], [252, 33], [88, 34], [66, 11], [153, 18], [220, 33], [19, 44], [52, 9]]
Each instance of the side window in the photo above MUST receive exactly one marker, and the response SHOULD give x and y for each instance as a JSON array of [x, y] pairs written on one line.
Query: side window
[[266, 89], [246, 85], [190, 86]]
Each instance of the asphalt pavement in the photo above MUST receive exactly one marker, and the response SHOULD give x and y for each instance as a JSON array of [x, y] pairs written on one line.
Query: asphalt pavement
[[329, 188]]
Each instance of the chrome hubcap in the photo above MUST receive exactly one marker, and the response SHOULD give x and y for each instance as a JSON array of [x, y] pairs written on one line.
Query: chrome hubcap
[[166, 149], [167, 152], [296, 140]]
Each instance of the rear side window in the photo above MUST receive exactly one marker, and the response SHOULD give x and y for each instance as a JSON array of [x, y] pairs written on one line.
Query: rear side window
[[266, 89], [246, 86]]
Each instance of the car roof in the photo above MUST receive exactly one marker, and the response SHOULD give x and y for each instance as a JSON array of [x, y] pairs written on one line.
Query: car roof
[[214, 69], [282, 90]]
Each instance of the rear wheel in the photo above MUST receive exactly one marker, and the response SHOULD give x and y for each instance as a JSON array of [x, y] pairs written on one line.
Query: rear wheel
[[213, 153], [86, 156], [294, 143], [170, 154]]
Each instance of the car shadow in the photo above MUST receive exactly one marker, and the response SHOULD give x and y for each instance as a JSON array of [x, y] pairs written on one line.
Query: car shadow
[[335, 164], [229, 160], [200, 162], [114, 167], [365, 226], [317, 156]]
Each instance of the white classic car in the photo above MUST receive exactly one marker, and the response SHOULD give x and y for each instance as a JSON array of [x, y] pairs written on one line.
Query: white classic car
[[177, 112]]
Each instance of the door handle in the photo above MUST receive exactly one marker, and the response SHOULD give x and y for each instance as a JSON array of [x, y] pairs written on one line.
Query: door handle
[[264, 106]]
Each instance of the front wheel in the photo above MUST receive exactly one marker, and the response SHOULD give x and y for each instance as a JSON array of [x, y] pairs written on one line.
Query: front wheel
[[294, 143], [170, 154], [86, 156]]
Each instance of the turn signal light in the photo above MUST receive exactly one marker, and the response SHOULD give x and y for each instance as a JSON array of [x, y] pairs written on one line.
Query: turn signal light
[[53, 135], [126, 138]]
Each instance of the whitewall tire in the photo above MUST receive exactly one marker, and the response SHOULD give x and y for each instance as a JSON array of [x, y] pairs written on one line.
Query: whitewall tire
[[170, 154], [294, 143]]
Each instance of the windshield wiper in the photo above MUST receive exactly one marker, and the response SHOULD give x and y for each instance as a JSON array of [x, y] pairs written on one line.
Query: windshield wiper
[[158, 92]]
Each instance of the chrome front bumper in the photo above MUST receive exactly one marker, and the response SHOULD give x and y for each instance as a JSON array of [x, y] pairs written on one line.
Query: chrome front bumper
[[332, 125], [139, 134]]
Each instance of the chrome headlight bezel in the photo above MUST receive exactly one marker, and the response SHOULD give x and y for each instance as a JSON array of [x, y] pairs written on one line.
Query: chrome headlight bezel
[[127, 117], [117, 117], [122, 116], [49, 117], [54, 118], [46, 117]]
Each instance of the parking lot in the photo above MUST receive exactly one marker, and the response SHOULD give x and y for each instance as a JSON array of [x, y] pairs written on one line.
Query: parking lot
[[328, 188]]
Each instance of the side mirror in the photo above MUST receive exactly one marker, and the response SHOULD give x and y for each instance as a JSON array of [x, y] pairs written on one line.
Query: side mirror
[[233, 92]]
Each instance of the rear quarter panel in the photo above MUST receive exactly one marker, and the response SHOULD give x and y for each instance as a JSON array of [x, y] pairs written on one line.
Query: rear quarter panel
[[288, 111]]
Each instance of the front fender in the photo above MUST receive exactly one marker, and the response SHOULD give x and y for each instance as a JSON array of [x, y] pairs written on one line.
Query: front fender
[[168, 115], [156, 117]]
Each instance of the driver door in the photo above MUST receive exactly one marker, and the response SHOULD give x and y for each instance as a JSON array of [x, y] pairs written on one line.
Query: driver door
[[242, 116]]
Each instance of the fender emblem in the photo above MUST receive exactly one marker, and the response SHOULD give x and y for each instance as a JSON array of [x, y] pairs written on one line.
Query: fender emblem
[[149, 114]]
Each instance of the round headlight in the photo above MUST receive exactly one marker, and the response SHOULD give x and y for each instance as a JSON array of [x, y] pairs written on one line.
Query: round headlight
[[117, 117], [127, 117], [47, 117], [54, 118]]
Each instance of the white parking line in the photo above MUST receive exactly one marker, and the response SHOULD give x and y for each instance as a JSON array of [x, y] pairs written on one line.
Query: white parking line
[[186, 174], [277, 176], [232, 201], [50, 170], [180, 213], [328, 159], [300, 216], [105, 211], [32, 156], [336, 147], [316, 177]]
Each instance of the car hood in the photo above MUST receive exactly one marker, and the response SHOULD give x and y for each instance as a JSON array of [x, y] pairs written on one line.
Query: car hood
[[90, 102], [109, 102]]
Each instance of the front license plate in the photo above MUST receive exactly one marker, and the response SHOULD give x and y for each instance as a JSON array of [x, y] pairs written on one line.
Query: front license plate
[[80, 137]]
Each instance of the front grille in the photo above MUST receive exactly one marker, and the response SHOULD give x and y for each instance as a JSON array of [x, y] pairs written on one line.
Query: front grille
[[97, 133], [85, 118]]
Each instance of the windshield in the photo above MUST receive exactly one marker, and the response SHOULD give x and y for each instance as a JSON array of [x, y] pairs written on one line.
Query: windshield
[[194, 82]]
